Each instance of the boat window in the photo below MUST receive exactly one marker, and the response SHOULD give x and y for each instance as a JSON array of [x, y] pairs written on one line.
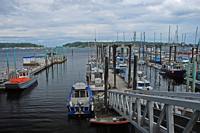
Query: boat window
[[98, 75], [82, 93], [140, 84], [147, 84], [86, 93], [76, 94]]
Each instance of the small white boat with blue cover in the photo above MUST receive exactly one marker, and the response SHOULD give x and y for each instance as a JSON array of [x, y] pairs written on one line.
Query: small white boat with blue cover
[[80, 101]]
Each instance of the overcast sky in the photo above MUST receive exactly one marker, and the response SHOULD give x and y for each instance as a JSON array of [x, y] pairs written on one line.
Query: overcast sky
[[54, 22]]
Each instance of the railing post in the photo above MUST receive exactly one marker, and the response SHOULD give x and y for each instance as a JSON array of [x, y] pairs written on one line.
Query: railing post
[[138, 102], [130, 108], [170, 118], [150, 114]]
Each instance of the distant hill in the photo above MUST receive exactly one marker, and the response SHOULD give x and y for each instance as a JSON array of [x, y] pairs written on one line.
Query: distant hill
[[84, 44], [92, 44], [22, 45], [79, 44]]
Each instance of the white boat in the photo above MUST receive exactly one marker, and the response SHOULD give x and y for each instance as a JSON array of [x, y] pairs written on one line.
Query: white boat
[[80, 101], [141, 62], [142, 82], [95, 77]]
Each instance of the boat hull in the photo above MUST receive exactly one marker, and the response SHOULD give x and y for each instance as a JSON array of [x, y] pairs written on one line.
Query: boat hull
[[177, 75], [108, 121], [80, 111], [20, 86]]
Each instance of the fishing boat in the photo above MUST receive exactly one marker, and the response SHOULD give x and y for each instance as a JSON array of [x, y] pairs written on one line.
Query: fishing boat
[[142, 82], [97, 81], [120, 65], [174, 70], [95, 77], [141, 62], [109, 121], [80, 101], [20, 80]]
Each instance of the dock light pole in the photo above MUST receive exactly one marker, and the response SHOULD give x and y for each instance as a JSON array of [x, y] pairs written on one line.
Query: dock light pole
[[135, 72], [105, 82]]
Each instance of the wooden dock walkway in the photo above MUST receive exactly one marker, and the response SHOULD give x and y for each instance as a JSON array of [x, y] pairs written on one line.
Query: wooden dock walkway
[[120, 83]]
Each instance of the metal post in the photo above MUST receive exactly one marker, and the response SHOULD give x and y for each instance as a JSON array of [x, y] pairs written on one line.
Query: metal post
[[170, 118], [138, 102], [135, 72], [106, 82], [129, 66], [150, 115]]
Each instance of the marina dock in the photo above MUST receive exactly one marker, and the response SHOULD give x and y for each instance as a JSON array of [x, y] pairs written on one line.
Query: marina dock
[[35, 64], [150, 110]]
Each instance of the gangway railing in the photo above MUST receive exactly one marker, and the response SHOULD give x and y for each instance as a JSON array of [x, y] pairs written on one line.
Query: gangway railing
[[139, 108]]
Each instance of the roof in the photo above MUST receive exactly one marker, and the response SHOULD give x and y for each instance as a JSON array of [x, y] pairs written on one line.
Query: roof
[[79, 86]]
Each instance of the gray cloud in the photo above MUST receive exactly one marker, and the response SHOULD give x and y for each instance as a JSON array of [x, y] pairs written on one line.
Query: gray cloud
[[78, 19]]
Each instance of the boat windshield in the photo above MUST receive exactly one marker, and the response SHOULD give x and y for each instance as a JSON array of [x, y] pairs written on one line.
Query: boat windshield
[[147, 84], [143, 84], [98, 75], [80, 93]]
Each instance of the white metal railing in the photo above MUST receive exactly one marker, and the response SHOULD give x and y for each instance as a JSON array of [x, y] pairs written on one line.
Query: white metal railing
[[129, 104]]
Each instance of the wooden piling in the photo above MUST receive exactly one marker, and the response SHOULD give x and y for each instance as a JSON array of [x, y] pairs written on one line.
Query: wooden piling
[[192, 54], [109, 54], [114, 64], [174, 53], [106, 82], [170, 53], [135, 72], [129, 66]]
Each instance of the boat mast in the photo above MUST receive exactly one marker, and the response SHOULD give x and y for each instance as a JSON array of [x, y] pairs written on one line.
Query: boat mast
[[14, 58]]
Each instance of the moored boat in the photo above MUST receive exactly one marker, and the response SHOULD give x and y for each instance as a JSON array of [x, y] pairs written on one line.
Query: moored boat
[[174, 70], [80, 101], [20, 80], [109, 120], [142, 82]]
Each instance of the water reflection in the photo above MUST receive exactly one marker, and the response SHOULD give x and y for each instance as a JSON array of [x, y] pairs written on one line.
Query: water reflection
[[18, 94]]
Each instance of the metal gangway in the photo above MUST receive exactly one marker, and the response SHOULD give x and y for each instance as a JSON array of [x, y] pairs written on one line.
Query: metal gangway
[[158, 111]]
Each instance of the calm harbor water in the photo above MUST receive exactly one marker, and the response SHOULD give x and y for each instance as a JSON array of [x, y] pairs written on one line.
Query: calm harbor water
[[43, 108]]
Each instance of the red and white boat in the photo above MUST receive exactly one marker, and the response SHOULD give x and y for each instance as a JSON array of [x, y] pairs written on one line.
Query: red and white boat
[[109, 120], [20, 80]]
